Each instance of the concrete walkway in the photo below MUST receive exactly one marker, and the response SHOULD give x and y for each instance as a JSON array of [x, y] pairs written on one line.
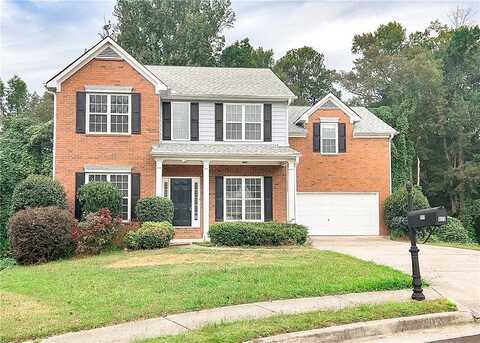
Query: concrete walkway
[[453, 272], [177, 323]]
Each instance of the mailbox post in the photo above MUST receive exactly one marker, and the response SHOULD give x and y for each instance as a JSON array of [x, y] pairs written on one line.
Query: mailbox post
[[435, 216]]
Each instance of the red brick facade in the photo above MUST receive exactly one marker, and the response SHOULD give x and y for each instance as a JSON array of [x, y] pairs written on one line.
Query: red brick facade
[[364, 167]]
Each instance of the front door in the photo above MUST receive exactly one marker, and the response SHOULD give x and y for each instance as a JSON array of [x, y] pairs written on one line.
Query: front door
[[181, 196]]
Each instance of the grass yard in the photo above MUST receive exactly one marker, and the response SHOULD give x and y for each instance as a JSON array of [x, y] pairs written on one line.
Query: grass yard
[[82, 293], [469, 246], [241, 331]]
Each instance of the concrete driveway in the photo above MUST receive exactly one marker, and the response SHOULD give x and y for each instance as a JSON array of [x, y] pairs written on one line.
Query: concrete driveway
[[454, 273]]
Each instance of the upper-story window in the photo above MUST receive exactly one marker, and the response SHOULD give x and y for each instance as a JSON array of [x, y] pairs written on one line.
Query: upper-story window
[[243, 122], [329, 135], [108, 113], [181, 121]]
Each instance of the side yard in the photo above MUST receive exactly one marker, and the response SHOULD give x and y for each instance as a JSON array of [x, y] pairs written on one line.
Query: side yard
[[90, 292]]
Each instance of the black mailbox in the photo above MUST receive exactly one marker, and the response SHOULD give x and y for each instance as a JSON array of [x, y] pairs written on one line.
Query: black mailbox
[[434, 216]]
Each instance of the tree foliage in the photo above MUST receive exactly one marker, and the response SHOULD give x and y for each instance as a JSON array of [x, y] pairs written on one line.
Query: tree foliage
[[303, 71], [173, 32], [243, 54]]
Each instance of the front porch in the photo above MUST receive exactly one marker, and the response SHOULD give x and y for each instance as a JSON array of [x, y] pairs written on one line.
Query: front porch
[[239, 186]]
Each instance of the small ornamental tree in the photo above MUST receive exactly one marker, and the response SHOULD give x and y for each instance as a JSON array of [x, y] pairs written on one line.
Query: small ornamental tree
[[38, 191], [94, 196], [154, 209]]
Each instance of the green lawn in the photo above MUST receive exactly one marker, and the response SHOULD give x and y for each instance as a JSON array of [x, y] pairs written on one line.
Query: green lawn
[[470, 246], [241, 331], [82, 293]]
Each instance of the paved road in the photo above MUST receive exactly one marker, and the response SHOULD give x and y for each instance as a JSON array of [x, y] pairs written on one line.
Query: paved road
[[455, 273]]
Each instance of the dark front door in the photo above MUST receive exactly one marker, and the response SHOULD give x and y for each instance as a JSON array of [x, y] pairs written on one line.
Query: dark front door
[[181, 195]]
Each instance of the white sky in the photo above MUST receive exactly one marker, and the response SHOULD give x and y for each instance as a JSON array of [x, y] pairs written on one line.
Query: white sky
[[40, 37]]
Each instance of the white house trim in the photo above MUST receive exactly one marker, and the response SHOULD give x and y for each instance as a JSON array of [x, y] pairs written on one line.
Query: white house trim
[[107, 89], [329, 97], [55, 83]]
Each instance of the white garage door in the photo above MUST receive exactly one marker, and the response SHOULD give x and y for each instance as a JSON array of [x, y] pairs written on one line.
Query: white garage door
[[339, 213]]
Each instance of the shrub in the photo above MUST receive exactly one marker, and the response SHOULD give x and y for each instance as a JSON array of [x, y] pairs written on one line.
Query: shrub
[[94, 196], [396, 208], [151, 235], [41, 234], [453, 231], [154, 209], [97, 232], [248, 233], [38, 191]]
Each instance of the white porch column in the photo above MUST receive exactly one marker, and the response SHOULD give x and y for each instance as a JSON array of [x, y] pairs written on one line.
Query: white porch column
[[292, 191], [158, 178], [206, 198]]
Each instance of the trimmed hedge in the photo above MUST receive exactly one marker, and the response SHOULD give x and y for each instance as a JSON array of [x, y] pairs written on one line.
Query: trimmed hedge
[[38, 191], [151, 235], [257, 233], [453, 231], [94, 196], [41, 234], [154, 209], [396, 208]]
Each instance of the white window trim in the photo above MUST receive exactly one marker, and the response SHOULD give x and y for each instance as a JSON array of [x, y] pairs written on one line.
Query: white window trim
[[189, 121], [109, 115], [243, 122], [129, 215], [195, 179], [262, 200], [335, 124]]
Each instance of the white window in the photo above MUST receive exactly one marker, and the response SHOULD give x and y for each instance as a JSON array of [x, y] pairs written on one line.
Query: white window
[[243, 198], [122, 181], [243, 122], [329, 138], [108, 113], [180, 121]]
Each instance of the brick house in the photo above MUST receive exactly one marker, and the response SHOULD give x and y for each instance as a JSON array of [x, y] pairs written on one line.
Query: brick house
[[222, 143]]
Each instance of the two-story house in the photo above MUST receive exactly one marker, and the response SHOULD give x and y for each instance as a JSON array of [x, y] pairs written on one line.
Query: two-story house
[[223, 144]]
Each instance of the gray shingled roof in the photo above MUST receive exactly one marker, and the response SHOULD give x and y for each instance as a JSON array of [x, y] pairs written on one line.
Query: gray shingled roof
[[222, 150], [212, 82], [369, 125]]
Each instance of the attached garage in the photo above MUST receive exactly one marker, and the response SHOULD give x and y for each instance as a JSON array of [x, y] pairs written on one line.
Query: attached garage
[[339, 213]]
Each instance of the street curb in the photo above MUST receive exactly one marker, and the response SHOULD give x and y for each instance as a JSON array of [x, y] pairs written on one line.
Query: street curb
[[374, 328]]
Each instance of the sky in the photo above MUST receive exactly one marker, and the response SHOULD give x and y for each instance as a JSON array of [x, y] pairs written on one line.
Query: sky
[[40, 37]]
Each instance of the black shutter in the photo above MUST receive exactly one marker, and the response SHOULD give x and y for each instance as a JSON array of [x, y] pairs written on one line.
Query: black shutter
[[194, 121], [316, 137], [135, 193], [219, 122], [81, 112], [136, 113], [166, 121], [342, 139], [267, 198], [267, 122], [79, 182], [218, 198]]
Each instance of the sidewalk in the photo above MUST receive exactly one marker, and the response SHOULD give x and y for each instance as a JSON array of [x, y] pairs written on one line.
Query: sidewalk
[[177, 323]]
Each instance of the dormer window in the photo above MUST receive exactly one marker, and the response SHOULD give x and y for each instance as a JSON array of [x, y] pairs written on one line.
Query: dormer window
[[108, 113], [329, 141], [243, 122]]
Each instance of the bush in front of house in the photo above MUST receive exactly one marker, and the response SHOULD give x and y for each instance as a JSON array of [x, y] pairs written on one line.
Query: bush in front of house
[[154, 209], [94, 196], [396, 208], [41, 234], [151, 235], [257, 233], [97, 232], [453, 231], [38, 191]]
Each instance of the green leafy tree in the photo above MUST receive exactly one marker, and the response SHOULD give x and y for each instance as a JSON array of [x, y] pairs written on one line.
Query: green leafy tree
[[16, 95], [303, 71], [173, 32], [41, 107], [2, 99], [243, 54]]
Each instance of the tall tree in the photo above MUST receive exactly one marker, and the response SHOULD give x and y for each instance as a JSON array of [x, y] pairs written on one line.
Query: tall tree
[[16, 95], [303, 71], [173, 32], [40, 107], [2, 99], [243, 54]]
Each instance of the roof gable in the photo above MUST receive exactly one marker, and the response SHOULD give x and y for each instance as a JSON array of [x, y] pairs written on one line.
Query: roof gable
[[328, 102], [107, 48]]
